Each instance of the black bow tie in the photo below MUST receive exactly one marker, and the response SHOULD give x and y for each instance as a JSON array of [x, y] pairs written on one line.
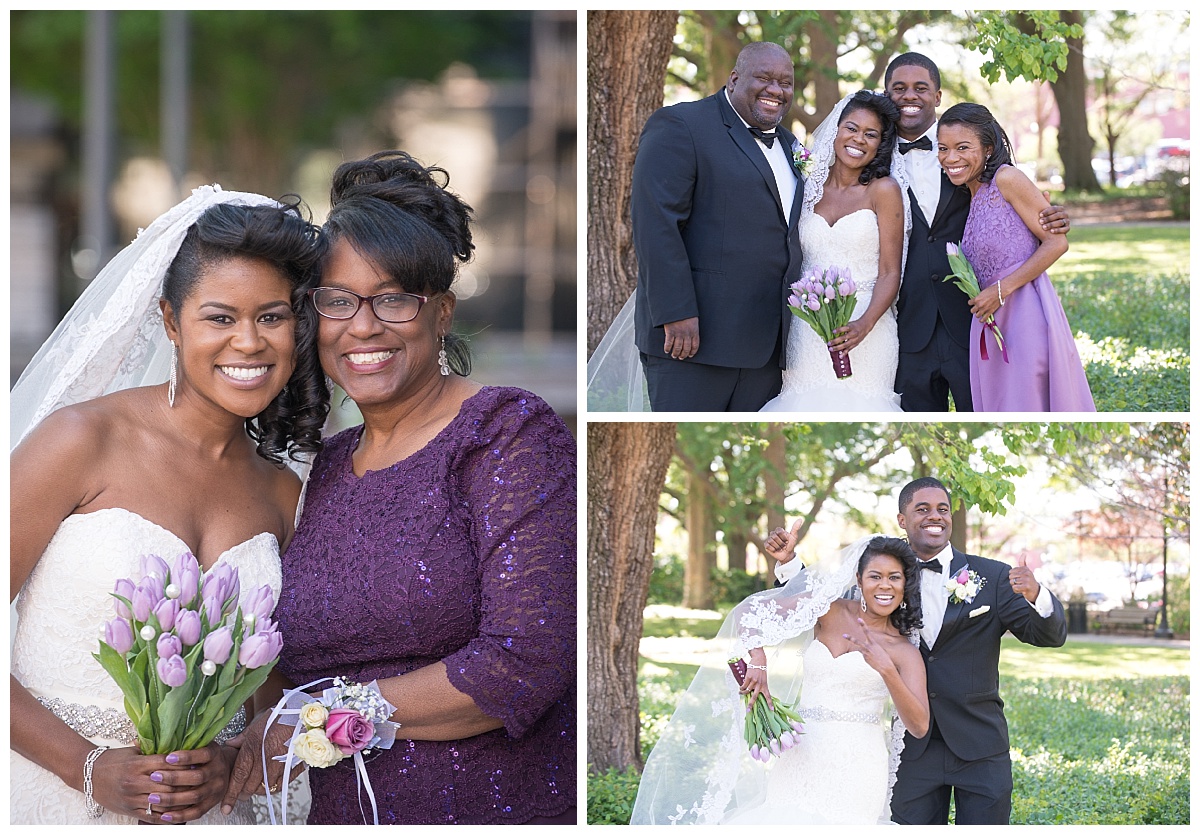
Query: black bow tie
[[768, 139], [922, 144], [932, 565]]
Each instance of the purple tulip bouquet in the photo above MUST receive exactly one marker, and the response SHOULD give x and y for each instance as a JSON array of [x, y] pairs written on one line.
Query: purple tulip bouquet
[[184, 653], [825, 299], [770, 729]]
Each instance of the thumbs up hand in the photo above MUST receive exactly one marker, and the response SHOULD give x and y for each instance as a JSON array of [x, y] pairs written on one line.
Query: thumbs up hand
[[780, 544], [1022, 580]]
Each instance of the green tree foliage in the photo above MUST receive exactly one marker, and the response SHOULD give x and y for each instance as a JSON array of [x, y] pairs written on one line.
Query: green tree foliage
[[1036, 51]]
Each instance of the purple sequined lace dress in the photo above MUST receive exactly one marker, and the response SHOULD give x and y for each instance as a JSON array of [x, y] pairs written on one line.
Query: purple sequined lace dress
[[1044, 372], [465, 553]]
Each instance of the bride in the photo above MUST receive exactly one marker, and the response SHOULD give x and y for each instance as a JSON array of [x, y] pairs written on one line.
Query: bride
[[108, 466], [853, 215], [843, 658]]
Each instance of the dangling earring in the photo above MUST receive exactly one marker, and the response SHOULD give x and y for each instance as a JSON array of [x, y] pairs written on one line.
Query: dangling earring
[[174, 379], [903, 604], [443, 363], [862, 601]]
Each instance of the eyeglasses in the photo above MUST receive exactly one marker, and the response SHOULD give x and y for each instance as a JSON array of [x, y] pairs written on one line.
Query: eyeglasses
[[335, 303]]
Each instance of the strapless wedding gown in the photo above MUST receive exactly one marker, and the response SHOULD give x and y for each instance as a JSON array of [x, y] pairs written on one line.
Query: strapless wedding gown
[[809, 382], [62, 609], [838, 771]]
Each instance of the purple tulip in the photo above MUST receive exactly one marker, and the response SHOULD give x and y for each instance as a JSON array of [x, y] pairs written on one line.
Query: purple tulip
[[831, 293], [218, 644], [259, 649], [211, 609], [166, 610], [799, 728], [775, 748], [153, 566], [794, 301], [813, 304], [260, 603], [119, 635], [221, 583], [186, 575], [846, 288], [125, 589], [754, 752], [786, 740], [172, 671], [951, 249], [141, 601], [168, 645], [264, 624], [188, 626]]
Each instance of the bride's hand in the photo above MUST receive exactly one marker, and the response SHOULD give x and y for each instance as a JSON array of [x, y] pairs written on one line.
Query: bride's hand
[[874, 654], [848, 337], [175, 788], [755, 682]]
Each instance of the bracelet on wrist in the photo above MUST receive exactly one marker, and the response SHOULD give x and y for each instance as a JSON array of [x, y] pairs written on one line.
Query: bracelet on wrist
[[94, 809], [1000, 290], [762, 667]]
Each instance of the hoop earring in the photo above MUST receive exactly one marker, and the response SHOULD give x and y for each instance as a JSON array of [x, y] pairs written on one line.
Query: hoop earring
[[174, 378], [443, 362]]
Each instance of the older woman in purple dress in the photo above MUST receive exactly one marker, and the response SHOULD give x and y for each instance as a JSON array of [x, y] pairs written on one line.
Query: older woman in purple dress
[[436, 551], [1010, 252]]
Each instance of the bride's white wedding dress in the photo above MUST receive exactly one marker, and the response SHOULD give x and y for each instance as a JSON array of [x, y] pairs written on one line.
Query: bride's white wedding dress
[[62, 609], [809, 382], [838, 772]]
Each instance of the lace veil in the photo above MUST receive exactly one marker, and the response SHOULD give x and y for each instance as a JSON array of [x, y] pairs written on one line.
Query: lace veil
[[700, 772], [113, 338]]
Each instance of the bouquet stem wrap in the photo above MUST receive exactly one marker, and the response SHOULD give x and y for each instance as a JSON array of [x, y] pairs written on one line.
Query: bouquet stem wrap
[[841, 364], [288, 710]]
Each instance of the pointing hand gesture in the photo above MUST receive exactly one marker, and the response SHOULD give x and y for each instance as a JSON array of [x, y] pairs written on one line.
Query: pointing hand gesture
[[781, 544], [1022, 580], [875, 655]]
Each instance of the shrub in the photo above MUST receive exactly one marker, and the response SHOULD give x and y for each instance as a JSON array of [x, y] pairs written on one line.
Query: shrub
[[735, 586], [1177, 184], [666, 580], [610, 795]]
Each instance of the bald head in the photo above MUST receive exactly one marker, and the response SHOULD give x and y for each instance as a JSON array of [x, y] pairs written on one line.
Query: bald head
[[759, 50], [760, 85]]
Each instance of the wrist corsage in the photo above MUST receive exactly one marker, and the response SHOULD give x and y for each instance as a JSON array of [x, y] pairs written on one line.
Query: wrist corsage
[[347, 720], [964, 585]]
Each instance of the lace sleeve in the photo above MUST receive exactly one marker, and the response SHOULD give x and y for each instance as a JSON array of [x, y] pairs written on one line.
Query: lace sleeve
[[518, 483]]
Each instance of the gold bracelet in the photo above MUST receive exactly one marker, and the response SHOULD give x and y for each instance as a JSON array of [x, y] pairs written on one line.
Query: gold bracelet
[[1000, 290]]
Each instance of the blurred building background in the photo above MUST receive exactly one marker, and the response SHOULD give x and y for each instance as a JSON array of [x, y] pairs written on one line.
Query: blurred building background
[[115, 116]]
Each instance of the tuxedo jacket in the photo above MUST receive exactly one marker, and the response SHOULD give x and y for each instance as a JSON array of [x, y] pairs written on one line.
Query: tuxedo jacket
[[923, 293], [710, 235], [962, 667]]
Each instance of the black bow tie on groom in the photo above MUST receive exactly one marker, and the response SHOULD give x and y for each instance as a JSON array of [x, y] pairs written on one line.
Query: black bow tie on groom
[[922, 144], [767, 139], [932, 565]]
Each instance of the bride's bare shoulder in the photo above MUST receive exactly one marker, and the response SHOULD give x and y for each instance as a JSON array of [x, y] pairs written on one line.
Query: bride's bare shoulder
[[90, 425]]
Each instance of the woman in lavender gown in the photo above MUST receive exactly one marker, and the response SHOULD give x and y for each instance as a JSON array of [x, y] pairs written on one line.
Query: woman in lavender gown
[[1010, 252], [436, 550]]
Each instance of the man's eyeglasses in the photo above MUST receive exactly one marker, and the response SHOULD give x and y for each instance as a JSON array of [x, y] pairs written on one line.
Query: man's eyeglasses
[[335, 303]]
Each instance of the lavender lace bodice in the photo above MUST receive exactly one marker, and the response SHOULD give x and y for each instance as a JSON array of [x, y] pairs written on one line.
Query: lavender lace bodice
[[465, 553], [995, 240]]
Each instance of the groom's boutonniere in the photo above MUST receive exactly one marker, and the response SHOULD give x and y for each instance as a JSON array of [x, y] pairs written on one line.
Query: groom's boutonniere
[[964, 585], [801, 158]]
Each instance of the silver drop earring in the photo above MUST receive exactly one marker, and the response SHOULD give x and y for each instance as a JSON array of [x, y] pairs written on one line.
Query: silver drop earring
[[862, 601], [443, 363], [903, 605], [174, 378]]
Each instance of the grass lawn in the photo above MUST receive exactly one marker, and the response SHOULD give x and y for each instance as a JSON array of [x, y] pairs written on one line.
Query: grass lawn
[[1100, 732], [1126, 293]]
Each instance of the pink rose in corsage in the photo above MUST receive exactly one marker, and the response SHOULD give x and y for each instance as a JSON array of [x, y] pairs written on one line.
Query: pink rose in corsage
[[964, 585], [801, 158], [348, 730]]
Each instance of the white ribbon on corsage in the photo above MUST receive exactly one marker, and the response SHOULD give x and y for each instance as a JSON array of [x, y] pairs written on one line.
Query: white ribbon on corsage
[[287, 712]]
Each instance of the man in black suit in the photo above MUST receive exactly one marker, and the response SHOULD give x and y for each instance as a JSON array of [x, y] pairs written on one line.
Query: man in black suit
[[966, 748], [932, 315], [714, 207]]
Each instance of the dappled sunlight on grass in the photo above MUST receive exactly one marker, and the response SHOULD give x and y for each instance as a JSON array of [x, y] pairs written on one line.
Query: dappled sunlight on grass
[[1088, 660]]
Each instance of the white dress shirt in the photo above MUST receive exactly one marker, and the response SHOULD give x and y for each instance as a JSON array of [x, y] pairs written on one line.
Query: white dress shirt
[[924, 174], [779, 157]]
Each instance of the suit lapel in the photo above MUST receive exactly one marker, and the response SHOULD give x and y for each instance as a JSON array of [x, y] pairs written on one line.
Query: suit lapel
[[954, 611], [749, 146], [943, 199], [800, 182]]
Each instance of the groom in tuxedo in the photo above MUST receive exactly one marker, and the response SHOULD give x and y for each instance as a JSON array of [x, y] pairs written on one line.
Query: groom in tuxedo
[[966, 748], [932, 315], [714, 206]]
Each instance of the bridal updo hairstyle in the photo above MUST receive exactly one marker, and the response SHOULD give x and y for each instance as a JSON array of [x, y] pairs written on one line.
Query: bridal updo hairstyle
[[281, 235], [889, 115], [399, 215], [985, 127], [906, 620]]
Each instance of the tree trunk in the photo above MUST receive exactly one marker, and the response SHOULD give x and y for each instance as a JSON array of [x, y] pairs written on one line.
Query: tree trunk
[[823, 46], [775, 476], [626, 64], [701, 534], [1075, 144], [626, 466]]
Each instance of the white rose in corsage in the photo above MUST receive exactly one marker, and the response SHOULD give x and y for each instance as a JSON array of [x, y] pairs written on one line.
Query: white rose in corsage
[[964, 585], [314, 714], [315, 749]]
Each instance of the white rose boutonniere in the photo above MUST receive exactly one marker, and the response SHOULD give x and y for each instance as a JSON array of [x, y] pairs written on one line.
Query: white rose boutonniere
[[964, 585], [801, 158]]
